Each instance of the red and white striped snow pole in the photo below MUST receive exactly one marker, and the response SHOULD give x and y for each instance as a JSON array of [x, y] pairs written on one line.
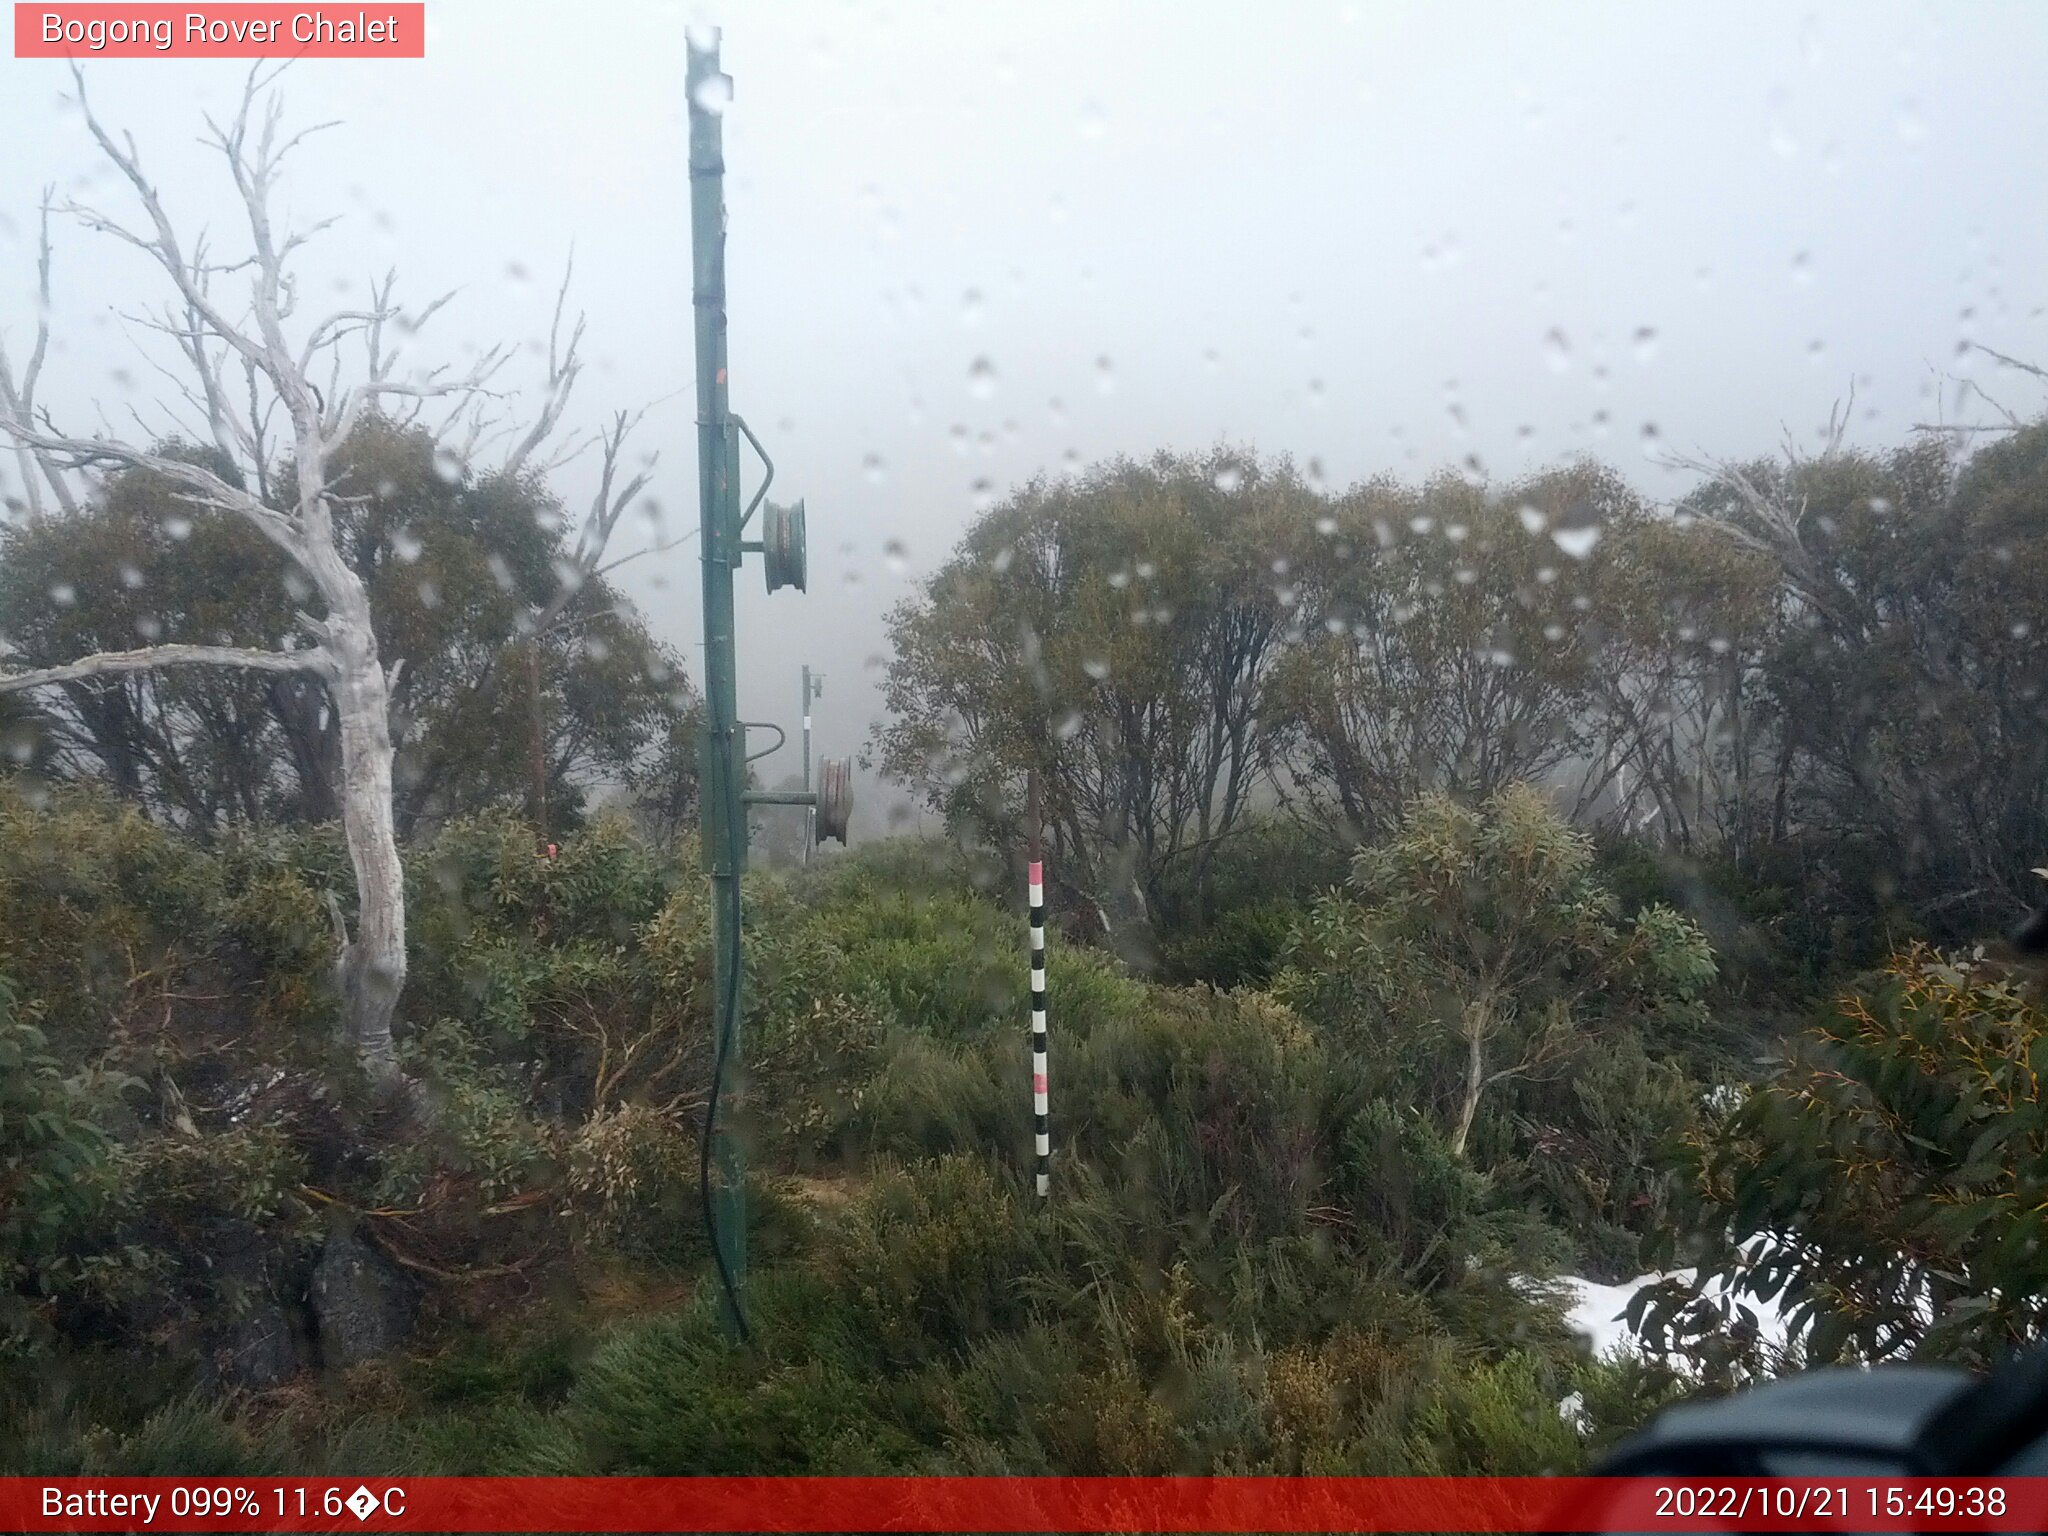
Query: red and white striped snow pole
[[1041, 1131]]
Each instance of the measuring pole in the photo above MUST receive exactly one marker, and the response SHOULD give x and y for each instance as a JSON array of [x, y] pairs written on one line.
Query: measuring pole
[[722, 777], [1040, 1128]]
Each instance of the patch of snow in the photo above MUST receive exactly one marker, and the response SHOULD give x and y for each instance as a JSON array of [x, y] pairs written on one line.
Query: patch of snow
[[1573, 1411], [1597, 1311]]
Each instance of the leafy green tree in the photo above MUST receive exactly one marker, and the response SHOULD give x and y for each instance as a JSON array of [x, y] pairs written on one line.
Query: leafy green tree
[[1681, 725], [1115, 633], [455, 568], [1886, 1187], [1478, 947], [1905, 667], [1443, 644]]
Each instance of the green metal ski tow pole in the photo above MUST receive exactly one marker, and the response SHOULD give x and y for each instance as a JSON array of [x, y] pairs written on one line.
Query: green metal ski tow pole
[[723, 796], [721, 774]]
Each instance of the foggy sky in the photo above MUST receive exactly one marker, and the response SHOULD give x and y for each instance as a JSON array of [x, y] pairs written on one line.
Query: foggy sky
[[1312, 229]]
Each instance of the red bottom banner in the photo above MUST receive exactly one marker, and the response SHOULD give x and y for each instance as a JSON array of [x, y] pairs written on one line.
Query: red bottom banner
[[1021, 1504]]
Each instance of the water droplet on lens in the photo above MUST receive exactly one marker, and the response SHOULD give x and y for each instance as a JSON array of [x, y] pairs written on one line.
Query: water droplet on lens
[[972, 309], [896, 556], [1645, 342], [1802, 268], [405, 545], [981, 378], [1105, 376], [1229, 478], [1534, 519], [1096, 668], [1576, 542], [714, 94], [1782, 142], [872, 468], [1557, 350]]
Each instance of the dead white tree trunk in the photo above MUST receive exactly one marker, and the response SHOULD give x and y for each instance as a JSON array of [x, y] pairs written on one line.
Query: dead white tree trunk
[[295, 517]]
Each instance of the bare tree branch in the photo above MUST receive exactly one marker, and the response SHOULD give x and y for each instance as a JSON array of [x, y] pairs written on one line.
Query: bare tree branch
[[157, 657], [19, 402], [563, 367], [606, 508]]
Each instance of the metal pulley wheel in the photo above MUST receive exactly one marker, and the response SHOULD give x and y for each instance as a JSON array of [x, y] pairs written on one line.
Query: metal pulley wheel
[[835, 797], [782, 545]]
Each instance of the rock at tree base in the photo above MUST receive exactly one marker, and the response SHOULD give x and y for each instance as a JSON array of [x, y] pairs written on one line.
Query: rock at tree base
[[361, 1304]]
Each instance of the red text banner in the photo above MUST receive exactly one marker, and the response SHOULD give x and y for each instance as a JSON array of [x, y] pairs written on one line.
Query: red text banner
[[220, 31], [1021, 1504]]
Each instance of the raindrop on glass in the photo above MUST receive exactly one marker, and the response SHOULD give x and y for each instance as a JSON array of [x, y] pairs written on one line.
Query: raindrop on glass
[[1557, 350], [714, 94], [1576, 542], [896, 557], [981, 378], [1229, 479], [1782, 142]]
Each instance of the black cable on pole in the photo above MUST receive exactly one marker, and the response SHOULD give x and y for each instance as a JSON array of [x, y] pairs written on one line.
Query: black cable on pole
[[728, 1021]]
